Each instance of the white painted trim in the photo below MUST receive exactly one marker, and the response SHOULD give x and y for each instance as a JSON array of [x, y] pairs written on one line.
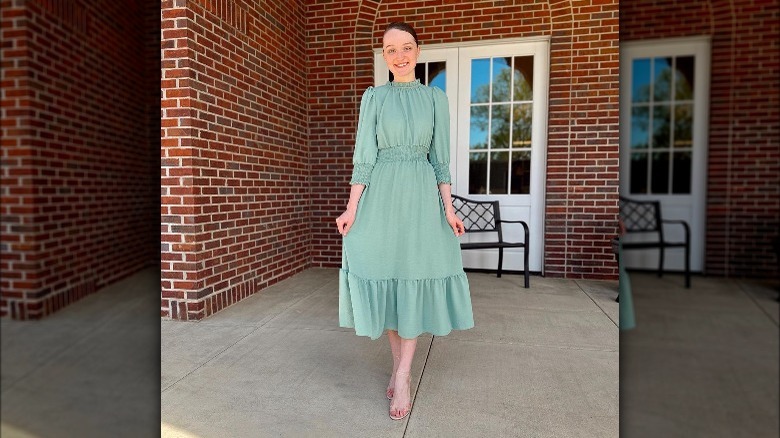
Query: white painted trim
[[666, 42], [479, 43], [535, 201], [700, 48]]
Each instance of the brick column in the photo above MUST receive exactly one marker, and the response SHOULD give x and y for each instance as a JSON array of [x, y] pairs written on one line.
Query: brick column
[[76, 159], [235, 176]]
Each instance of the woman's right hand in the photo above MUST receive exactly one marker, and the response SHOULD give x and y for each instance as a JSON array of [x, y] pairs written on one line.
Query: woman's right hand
[[345, 221]]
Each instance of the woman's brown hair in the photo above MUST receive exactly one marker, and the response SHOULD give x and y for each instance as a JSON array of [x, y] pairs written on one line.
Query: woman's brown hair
[[399, 25]]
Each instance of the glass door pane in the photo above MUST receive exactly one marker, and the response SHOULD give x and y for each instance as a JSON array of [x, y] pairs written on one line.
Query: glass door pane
[[501, 105], [661, 125], [429, 73]]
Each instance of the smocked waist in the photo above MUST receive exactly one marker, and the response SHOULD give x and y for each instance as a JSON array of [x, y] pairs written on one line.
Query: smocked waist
[[402, 153]]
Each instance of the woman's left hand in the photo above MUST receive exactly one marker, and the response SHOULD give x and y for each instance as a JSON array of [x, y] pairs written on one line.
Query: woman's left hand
[[456, 224]]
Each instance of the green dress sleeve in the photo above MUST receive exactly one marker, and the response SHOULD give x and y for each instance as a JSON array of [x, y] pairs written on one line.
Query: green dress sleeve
[[439, 154], [366, 149]]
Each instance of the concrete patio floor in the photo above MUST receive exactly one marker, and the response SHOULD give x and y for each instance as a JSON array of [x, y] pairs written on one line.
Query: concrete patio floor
[[89, 370], [701, 361], [541, 362]]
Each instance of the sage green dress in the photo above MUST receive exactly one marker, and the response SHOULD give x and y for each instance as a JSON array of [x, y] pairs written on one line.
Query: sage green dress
[[626, 305], [401, 262]]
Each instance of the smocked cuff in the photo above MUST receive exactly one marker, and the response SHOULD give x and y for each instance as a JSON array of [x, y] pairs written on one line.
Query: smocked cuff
[[361, 174], [442, 172]]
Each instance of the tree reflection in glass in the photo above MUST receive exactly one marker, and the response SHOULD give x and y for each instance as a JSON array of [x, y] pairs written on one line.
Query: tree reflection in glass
[[509, 124], [478, 173], [662, 124]]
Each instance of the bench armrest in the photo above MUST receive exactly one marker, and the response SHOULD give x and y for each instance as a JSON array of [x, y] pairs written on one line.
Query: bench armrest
[[680, 222], [683, 223], [525, 226], [513, 222]]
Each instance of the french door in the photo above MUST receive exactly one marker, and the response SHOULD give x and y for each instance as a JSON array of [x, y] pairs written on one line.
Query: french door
[[498, 107], [664, 116]]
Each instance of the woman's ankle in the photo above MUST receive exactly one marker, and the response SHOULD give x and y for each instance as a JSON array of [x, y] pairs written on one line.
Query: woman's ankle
[[402, 372]]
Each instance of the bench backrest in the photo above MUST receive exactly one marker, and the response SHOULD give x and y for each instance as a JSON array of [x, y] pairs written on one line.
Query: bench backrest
[[640, 216], [478, 216]]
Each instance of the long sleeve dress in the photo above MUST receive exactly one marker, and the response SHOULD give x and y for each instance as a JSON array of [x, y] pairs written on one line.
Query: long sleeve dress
[[401, 263]]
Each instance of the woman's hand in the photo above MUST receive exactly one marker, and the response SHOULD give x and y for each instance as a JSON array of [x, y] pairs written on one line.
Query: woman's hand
[[456, 224], [345, 221]]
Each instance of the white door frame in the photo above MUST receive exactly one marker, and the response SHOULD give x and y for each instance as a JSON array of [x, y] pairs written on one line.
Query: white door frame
[[673, 206], [529, 208]]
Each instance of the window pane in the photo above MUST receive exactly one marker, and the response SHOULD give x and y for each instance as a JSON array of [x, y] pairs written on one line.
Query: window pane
[[660, 173], [523, 78], [499, 168], [478, 173], [683, 87], [501, 79], [661, 126], [521, 126], [436, 75], [662, 85], [480, 80], [683, 126], [521, 173], [640, 81], [639, 173], [640, 122], [419, 72], [499, 127], [479, 126], [681, 178]]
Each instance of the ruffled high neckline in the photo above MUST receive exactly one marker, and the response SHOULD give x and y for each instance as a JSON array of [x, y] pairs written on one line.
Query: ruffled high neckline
[[410, 84]]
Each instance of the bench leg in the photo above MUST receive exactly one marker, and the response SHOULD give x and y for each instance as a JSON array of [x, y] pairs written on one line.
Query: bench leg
[[525, 265], [500, 261], [661, 261], [687, 265]]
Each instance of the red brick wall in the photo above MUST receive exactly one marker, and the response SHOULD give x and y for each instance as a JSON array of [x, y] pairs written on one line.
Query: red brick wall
[[743, 178], [76, 152], [152, 78], [583, 113], [235, 162]]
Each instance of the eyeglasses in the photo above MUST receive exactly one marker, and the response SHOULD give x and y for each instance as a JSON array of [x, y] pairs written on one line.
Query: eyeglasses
[[405, 49]]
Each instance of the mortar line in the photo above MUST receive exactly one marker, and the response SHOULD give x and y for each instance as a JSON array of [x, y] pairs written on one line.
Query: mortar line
[[419, 385], [753, 299], [209, 360], [597, 304]]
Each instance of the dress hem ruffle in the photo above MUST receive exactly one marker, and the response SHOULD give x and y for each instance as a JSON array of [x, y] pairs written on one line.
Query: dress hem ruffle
[[412, 307]]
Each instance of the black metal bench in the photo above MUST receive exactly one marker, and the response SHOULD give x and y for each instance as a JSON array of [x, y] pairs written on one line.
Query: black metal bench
[[645, 217], [485, 217]]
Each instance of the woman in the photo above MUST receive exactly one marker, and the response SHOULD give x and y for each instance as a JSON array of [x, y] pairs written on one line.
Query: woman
[[402, 270]]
